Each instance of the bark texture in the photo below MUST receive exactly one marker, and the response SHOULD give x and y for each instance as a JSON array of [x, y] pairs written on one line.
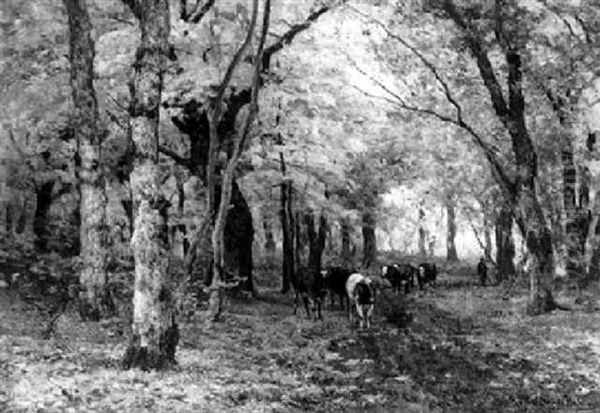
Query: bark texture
[[345, 233], [155, 331], [505, 247], [287, 229], [43, 198], [369, 240], [451, 255], [422, 232], [316, 241], [94, 298]]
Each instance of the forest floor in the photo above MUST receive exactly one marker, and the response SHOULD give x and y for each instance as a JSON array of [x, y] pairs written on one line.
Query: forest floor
[[466, 350]]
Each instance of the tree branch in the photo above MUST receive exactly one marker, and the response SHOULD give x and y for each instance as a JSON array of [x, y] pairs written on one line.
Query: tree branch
[[429, 65], [489, 152], [134, 6], [196, 15], [179, 160], [288, 36], [483, 63], [234, 63]]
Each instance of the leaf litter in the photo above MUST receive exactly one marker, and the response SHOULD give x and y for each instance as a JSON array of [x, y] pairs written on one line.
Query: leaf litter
[[466, 350]]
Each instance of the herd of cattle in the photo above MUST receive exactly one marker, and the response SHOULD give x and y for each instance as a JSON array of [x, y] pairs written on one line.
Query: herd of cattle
[[356, 292]]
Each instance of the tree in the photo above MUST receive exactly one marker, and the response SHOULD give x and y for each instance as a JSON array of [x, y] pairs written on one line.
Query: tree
[[95, 300], [195, 115], [505, 246], [517, 175], [155, 331], [451, 255], [227, 176]]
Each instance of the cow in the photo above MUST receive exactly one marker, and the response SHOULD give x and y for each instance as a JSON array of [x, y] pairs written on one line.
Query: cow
[[361, 299], [427, 274], [308, 287], [400, 276], [335, 282]]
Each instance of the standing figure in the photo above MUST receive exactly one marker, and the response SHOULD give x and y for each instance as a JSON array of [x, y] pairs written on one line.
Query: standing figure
[[482, 271]]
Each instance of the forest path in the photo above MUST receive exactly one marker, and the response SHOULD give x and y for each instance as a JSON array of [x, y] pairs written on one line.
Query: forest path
[[466, 350]]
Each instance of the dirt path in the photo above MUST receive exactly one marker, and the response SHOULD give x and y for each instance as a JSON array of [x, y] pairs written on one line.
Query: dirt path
[[466, 350]]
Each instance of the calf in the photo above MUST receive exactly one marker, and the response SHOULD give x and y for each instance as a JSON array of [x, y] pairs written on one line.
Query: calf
[[427, 274], [400, 276], [308, 287], [335, 282], [361, 298]]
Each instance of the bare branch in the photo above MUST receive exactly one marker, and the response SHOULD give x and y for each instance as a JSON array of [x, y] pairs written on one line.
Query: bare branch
[[556, 11], [235, 62], [255, 80], [420, 56], [116, 120], [199, 12], [489, 152], [288, 36], [180, 160]]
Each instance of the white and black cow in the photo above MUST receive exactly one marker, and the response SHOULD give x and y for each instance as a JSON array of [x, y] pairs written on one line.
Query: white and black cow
[[361, 297]]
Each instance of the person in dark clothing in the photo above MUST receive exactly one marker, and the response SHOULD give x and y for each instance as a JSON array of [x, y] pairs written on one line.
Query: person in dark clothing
[[482, 271]]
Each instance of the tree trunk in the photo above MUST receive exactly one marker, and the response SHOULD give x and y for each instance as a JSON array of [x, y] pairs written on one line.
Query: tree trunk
[[451, 255], [7, 215], [127, 205], [345, 233], [94, 298], [22, 219], [505, 246], [422, 232], [299, 240], [573, 215], [487, 235], [155, 332], [592, 243], [369, 240], [269, 237], [521, 191], [541, 299], [239, 236], [287, 228], [316, 241], [44, 200], [179, 248]]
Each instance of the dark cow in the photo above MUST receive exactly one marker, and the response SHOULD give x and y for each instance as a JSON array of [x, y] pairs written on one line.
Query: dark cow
[[400, 276], [334, 279], [361, 297], [309, 287], [427, 274]]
